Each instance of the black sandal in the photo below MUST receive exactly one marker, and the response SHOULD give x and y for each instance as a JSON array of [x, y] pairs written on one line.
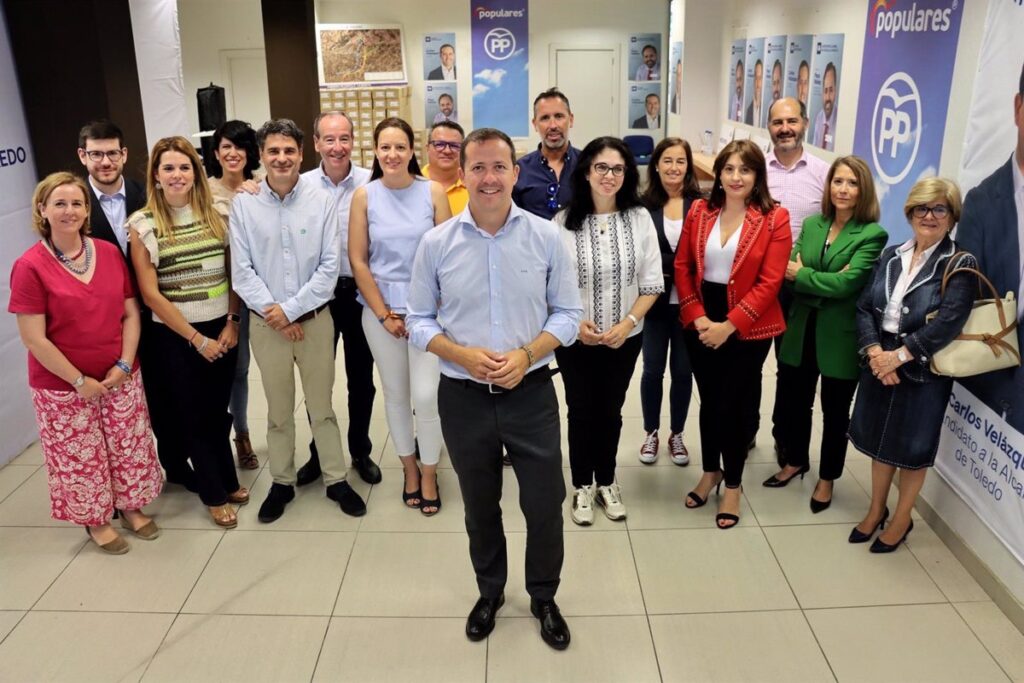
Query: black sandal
[[415, 495], [701, 502], [431, 503]]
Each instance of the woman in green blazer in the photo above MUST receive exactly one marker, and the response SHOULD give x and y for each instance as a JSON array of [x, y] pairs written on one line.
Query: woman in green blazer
[[830, 264]]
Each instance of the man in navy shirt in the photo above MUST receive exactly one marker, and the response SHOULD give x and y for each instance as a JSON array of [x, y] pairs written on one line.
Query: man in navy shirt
[[540, 188]]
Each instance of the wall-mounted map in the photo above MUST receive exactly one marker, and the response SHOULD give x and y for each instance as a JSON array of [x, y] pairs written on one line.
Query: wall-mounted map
[[360, 53]]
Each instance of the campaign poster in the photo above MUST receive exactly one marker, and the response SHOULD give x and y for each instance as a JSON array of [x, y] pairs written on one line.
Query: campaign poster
[[798, 67], [440, 103], [826, 72], [736, 80], [645, 106], [439, 57], [645, 57], [499, 32], [675, 83], [906, 72], [753, 82], [774, 74]]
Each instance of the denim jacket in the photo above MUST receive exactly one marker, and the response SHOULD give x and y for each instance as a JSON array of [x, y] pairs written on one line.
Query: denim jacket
[[921, 336]]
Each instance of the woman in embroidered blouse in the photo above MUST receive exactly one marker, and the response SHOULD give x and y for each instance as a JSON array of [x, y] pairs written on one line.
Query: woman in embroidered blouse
[[729, 269], [897, 417], [618, 269], [179, 250]]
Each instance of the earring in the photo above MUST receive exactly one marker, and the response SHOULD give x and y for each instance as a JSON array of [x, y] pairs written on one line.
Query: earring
[[156, 185]]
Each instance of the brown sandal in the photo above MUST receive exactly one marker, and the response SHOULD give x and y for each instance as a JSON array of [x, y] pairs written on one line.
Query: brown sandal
[[247, 459], [224, 516], [239, 497]]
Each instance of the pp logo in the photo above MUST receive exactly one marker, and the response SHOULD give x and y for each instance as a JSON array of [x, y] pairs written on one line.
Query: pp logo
[[499, 43], [894, 125]]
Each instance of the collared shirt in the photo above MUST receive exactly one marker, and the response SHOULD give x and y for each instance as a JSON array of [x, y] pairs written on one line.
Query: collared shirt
[[799, 188], [458, 195], [114, 209], [892, 313], [494, 291], [441, 116], [653, 121], [536, 178], [447, 74], [343, 191], [646, 73], [823, 139], [285, 251]]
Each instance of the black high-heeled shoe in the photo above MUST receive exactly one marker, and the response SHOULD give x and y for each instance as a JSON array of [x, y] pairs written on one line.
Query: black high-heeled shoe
[[728, 516], [858, 536], [773, 482], [701, 502], [820, 505], [880, 546]]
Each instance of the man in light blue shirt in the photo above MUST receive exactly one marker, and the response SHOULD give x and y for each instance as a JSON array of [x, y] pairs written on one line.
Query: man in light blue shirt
[[284, 266], [493, 294]]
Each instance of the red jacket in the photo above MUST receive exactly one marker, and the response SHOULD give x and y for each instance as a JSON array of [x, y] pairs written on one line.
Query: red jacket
[[757, 271]]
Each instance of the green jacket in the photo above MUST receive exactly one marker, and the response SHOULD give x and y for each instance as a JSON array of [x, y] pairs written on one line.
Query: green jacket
[[831, 291]]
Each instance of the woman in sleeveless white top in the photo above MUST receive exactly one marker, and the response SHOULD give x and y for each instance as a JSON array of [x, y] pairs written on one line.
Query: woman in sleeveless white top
[[389, 215]]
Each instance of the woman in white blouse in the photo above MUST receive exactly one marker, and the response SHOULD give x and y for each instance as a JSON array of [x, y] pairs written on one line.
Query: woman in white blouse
[[614, 247]]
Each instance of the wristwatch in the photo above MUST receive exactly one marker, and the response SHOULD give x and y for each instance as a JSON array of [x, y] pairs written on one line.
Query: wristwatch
[[902, 355], [80, 382]]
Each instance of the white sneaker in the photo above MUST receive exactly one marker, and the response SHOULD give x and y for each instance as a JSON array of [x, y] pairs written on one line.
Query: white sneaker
[[583, 506], [677, 450], [610, 498], [649, 451]]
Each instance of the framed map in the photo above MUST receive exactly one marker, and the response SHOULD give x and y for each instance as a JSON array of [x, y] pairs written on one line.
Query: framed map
[[349, 54]]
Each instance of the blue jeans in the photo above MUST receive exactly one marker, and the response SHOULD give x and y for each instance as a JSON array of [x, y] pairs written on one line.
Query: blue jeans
[[662, 332], [239, 406]]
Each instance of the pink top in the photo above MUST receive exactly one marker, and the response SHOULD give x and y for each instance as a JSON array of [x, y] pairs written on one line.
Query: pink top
[[82, 320], [799, 189]]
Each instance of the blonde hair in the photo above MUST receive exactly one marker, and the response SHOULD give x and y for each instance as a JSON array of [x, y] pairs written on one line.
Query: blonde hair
[[200, 198], [932, 189], [42, 194]]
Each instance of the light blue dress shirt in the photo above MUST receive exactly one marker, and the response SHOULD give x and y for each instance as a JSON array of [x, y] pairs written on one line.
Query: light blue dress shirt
[[285, 251], [343, 191], [498, 292], [114, 209]]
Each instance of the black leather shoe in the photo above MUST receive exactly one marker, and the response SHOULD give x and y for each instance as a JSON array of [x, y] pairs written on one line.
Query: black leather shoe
[[344, 495], [880, 546], [858, 536], [309, 472], [553, 629], [773, 482], [367, 469], [480, 621], [273, 507]]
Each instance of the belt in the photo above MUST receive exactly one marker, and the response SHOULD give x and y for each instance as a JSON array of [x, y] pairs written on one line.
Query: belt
[[346, 282], [308, 315], [538, 375]]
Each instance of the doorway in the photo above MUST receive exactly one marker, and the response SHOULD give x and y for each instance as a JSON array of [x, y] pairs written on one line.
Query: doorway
[[589, 77]]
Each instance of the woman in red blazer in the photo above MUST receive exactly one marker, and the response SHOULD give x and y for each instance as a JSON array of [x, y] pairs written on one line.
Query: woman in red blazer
[[729, 267]]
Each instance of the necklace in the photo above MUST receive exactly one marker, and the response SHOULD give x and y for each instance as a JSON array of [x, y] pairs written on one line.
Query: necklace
[[69, 262]]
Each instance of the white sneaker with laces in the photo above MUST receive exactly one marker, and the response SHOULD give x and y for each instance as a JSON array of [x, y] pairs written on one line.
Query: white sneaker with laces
[[610, 498], [649, 451], [677, 450], [583, 506]]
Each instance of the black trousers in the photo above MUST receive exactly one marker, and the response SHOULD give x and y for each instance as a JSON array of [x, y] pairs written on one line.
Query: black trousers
[[728, 381], [347, 314], [596, 379], [149, 362], [795, 403], [754, 414], [193, 409], [476, 426]]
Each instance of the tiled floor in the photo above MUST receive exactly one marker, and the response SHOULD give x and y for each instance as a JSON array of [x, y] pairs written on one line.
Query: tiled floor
[[662, 597]]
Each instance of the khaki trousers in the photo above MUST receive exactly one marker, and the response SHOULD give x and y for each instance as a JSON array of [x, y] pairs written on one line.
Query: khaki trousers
[[314, 356]]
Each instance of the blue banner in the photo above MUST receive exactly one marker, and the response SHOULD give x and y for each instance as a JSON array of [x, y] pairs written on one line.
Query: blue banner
[[501, 80], [906, 72]]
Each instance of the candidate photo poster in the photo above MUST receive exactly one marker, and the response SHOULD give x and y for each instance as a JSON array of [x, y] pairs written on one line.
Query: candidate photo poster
[[440, 103], [439, 57], [798, 67], [826, 73], [675, 83], [645, 106], [753, 82], [645, 63], [736, 80], [774, 75]]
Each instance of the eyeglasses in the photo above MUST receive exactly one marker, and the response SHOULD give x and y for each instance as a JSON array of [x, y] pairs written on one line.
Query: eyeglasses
[[940, 211], [96, 155], [553, 196], [440, 145], [605, 169]]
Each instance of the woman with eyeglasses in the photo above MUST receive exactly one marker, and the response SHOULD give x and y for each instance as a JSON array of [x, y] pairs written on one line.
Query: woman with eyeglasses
[[389, 215], [903, 318], [614, 246]]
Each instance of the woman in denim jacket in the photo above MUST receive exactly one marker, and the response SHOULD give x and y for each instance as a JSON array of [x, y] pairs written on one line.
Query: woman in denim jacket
[[897, 417]]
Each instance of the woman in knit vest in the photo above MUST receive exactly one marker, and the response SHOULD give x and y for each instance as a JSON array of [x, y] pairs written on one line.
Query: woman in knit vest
[[179, 250]]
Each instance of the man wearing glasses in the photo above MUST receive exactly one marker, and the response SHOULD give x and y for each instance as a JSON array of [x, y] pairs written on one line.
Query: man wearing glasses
[[101, 150], [539, 189], [443, 149]]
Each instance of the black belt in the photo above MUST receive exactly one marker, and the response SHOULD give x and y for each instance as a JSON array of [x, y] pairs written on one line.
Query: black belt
[[538, 375], [308, 315], [346, 282]]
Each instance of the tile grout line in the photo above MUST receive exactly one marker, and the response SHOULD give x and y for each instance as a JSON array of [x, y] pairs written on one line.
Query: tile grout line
[[981, 642], [334, 605], [643, 600], [12, 491]]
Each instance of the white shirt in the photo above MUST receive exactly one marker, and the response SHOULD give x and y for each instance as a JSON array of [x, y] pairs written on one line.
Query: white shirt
[[718, 259], [654, 121], [646, 73], [113, 206], [448, 74], [343, 191], [673, 230], [891, 316], [1018, 199]]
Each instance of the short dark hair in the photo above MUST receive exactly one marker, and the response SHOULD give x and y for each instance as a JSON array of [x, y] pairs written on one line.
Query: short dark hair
[[333, 112], [481, 135], [582, 203], [551, 93], [759, 63], [777, 65], [394, 122], [803, 65], [648, 45], [444, 45], [830, 67], [655, 197], [285, 127], [100, 130], [739, 64], [752, 156], [447, 124], [654, 95], [242, 136], [444, 95]]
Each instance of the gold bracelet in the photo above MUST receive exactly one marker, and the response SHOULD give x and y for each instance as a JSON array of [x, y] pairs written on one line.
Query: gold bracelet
[[529, 354]]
